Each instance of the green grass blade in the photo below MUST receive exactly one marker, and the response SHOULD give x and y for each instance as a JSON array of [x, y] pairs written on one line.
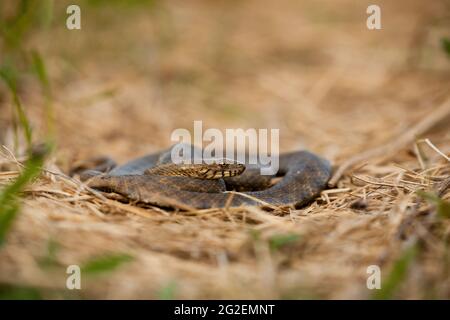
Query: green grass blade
[[50, 260], [105, 263], [168, 291], [15, 28], [7, 216], [398, 273], [46, 12], [10, 292], [442, 206], [278, 241], [445, 43], [40, 70], [9, 196], [8, 75], [42, 75], [31, 170]]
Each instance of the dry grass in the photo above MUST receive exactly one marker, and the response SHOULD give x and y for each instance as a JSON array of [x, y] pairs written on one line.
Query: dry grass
[[311, 69]]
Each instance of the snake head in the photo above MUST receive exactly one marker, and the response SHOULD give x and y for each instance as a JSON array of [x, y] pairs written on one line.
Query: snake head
[[220, 170]]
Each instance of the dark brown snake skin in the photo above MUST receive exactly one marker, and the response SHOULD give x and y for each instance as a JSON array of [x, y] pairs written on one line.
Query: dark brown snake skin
[[304, 176]]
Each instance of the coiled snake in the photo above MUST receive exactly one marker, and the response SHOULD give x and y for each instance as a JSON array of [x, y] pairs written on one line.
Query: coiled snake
[[155, 180]]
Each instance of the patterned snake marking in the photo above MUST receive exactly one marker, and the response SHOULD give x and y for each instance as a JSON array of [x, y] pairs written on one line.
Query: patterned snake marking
[[155, 180]]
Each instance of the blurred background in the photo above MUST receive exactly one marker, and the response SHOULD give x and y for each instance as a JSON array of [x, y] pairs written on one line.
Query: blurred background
[[137, 70]]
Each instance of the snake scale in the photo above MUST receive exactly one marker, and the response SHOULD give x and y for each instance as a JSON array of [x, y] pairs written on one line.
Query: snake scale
[[153, 179]]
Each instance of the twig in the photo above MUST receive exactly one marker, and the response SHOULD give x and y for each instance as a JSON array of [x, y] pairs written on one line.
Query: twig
[[383, 183], [63, 176], [409, 136], [264, 203], [432, 146]]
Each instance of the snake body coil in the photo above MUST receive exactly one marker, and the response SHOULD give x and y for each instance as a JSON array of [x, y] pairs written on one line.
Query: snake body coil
[[304, 176]]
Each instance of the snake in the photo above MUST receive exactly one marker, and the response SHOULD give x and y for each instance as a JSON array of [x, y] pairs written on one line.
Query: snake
[[154, 179]]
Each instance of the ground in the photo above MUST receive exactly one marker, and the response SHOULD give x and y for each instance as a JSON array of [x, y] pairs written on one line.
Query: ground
[[137, 71]]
